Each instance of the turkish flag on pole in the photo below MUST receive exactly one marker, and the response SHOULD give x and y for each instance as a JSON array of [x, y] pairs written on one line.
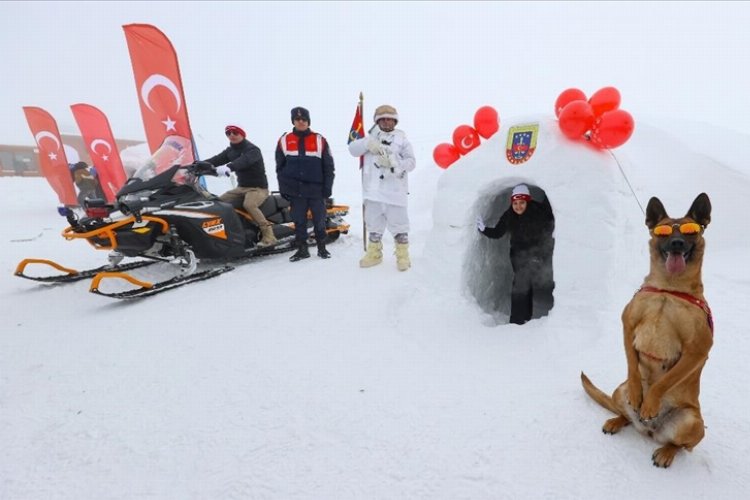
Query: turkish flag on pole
[[52, 159], [357, 130], [159, 86], [101, 146]]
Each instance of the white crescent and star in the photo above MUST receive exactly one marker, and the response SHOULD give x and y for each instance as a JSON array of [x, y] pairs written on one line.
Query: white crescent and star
[[97, 142]]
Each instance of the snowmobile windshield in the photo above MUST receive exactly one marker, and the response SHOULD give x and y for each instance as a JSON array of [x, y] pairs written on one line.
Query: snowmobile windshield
[[175, 150]]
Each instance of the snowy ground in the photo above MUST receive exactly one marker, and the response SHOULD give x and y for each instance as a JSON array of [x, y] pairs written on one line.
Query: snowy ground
[[321, 380]]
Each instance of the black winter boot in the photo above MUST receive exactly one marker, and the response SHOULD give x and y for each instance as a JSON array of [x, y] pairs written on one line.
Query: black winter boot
[[302, 253], [322, 252]]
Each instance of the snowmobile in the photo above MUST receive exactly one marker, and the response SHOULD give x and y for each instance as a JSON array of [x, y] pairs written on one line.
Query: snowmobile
[[163, 214]]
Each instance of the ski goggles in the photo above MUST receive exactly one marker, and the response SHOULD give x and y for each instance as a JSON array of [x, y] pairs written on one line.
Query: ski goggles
[[686, 228]]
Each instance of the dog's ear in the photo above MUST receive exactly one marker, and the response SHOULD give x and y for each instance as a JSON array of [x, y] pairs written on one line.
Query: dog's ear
[[700, 210], [654, 212]]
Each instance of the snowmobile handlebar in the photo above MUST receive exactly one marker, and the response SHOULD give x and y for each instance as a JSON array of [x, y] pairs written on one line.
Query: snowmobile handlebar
[[201, 168]]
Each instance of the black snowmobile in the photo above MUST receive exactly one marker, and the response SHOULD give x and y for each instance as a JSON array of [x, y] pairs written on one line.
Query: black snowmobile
[[165, 215]]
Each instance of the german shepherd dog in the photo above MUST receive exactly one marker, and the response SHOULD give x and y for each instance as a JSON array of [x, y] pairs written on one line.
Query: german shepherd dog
[[668, 332]]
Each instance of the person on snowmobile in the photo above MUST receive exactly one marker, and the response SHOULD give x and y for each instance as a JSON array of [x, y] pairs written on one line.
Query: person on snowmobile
[[245, 159], [530, 225], [305, 170], [388, 158]]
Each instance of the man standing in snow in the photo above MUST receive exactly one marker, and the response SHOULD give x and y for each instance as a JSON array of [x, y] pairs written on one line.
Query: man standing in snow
[[388, 158], [530, 225], [245, 159], [305, 170]]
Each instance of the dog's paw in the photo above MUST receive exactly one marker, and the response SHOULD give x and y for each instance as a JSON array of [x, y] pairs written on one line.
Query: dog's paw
[[664, 456], [635, 395], [649, 409], [613, 425]]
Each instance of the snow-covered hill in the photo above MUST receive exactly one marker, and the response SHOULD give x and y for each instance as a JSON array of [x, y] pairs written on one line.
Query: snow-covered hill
[[322, 380]]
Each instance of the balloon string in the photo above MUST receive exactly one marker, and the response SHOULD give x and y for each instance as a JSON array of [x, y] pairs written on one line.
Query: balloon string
[[627, 181]]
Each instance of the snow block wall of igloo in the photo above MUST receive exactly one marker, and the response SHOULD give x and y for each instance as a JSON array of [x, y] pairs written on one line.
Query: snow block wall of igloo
[[588, 195]]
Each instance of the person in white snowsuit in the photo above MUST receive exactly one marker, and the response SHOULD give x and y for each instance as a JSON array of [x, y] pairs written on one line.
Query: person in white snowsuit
[[388, 159]]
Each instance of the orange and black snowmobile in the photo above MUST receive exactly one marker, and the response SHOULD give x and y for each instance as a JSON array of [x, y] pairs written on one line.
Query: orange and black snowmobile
[[165, 215]]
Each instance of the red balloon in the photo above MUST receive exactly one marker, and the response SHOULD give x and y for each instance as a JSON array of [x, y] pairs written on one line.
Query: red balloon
[[465, 138], [576, 119], [612, 129], [486, 121], [445, 155], [605, 99], [567, 96]]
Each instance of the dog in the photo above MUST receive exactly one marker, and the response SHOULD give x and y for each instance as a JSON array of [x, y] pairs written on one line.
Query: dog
[[668, 330]]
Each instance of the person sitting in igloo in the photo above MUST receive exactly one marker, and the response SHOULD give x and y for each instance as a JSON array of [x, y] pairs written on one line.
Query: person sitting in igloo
[[530, 225]]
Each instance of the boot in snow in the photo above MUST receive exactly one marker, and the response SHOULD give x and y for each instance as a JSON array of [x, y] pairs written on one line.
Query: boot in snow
[[268, 238], [322, 252], [374, 255], [302, 253], [402, 256]]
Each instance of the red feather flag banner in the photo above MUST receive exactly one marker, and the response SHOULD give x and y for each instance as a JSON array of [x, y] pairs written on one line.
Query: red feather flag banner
[[101, 146], [159, 86], [52, 159]]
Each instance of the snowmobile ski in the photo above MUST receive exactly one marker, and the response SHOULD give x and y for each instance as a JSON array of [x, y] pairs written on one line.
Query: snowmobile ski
[[72, 274], [147, 289]]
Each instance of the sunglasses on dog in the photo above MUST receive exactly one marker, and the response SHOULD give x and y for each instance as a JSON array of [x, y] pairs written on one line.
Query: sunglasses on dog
[[686, 228]]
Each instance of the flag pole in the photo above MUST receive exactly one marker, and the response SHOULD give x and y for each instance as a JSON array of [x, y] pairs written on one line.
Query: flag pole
[[362, 173]]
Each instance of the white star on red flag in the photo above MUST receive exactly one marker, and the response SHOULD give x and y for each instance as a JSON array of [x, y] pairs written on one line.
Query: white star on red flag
[[169, 123]]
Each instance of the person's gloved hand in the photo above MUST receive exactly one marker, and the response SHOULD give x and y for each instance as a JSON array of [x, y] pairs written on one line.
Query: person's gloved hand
[[223, 171], [383, 160], [480, 223], [374, 146]]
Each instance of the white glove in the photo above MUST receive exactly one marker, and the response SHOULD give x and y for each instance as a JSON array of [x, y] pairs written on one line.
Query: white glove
[[223, 171], [383, 160], [480, 223], [374, 146]]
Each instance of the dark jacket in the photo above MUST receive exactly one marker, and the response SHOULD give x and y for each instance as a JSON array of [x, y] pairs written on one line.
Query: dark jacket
[[246, 160], [302, 175], [530, 231]]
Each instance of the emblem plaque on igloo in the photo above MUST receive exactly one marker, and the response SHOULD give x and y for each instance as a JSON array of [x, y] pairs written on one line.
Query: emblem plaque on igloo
[[521, 142]]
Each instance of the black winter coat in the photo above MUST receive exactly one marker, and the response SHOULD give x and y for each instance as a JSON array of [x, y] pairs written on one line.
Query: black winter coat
[[530, 232], [302, 176], [246, 160]]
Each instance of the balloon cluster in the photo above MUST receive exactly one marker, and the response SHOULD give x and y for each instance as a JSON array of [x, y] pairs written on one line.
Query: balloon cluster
[[466, 137], [598, 119]]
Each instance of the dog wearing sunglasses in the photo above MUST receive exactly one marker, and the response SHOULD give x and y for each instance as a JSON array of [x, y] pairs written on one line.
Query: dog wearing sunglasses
[[668, 332]]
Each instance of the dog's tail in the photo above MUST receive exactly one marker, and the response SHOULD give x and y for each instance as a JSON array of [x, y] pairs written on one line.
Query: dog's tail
[[597, 395]]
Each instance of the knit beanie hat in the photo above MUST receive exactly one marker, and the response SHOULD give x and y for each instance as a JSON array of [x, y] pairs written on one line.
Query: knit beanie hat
[[234, 128], [520, 192], [385, 111], [300, 112]]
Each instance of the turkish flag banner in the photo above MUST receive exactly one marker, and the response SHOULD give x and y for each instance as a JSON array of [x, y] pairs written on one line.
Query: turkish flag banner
[[52, 159], [159, 85], [101, 146]]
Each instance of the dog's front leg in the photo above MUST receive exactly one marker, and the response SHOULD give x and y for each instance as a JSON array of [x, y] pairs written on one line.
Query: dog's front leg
[[635, 389], [688, 364]]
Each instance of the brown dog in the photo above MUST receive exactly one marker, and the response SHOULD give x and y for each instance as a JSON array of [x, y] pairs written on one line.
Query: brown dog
[[668, 333]]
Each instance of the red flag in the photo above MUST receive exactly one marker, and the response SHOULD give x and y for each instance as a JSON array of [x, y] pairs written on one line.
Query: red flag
[[52, 157], [101, 146], [357, 131], [358, 127], [159, 85]]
